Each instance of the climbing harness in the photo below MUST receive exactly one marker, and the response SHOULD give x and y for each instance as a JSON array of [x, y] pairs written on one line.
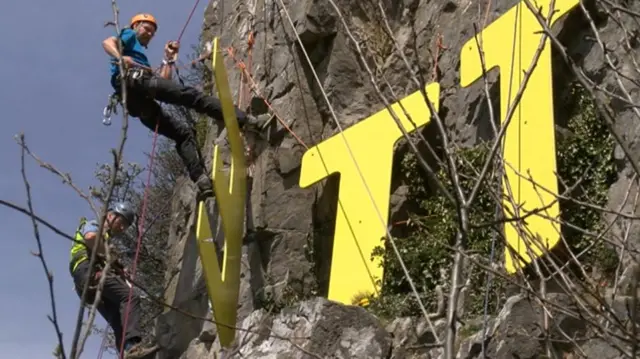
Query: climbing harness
[[99, 272], [114, 99]]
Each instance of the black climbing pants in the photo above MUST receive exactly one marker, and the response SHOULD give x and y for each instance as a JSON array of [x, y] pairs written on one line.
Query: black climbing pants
[[144, 88], [113, 304]]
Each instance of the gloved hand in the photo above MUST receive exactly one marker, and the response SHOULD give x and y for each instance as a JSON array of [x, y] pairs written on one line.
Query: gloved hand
[[96, 277], [171, 51], [126, 273]]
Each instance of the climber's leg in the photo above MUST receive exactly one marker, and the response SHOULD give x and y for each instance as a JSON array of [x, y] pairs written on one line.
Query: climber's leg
[[111, 313], [169, 91], [116, 296], [107, 309], [184, 137]]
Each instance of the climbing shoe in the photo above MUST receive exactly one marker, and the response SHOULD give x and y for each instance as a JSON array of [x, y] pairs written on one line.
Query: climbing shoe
[[257, 123], [205, 187], [138, 352], [257, 235]]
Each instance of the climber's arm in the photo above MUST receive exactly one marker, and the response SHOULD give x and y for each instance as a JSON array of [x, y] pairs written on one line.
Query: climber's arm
[[170, 55], [90, 235], [165, 70], [110, 46]]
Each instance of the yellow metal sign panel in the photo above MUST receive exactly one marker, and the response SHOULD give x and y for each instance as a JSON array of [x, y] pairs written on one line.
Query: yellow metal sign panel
[[511, 43], [230, 189], [359, 228]]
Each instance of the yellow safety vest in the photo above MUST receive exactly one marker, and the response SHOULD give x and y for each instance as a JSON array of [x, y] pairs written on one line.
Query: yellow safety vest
[[79, 252]]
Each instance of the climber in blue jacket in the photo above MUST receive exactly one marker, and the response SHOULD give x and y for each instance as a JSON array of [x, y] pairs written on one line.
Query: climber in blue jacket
[[144, 87]]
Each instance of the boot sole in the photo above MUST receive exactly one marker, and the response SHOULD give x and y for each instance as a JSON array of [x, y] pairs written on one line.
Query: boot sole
[[142, 353]]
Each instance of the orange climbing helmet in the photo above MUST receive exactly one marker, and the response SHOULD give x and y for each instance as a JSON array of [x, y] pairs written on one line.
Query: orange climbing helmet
[[143, 17]]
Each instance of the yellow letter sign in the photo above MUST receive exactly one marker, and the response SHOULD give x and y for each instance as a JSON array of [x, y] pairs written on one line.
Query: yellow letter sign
[[224, 288], [358, 227], [529, 142]]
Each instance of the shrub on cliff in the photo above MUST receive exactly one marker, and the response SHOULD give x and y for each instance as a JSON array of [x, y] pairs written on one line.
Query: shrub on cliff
[[585, 165]]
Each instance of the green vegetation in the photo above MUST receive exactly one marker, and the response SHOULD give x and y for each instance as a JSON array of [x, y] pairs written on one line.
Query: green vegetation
[[427, 250], [585, 156], [201, 126]]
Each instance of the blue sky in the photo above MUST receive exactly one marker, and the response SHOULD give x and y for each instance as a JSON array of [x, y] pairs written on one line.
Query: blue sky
[[55, 85]]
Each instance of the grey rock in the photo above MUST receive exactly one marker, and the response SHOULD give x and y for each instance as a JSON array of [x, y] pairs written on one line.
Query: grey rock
[[174, 329], [316, 328], [517, 331], [412, 338]]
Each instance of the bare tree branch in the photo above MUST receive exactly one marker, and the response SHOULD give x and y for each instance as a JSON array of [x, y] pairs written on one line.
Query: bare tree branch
[[37, 218], [66, 178], [76, 349], [53, 318]]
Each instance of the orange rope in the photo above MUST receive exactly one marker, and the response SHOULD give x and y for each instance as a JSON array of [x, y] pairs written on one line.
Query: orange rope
[[245, 95], [254, 87], [250, 43], [246, 75], [439, 46]]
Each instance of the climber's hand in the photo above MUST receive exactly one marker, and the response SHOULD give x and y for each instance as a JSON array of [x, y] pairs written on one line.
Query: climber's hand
[[171, 50]]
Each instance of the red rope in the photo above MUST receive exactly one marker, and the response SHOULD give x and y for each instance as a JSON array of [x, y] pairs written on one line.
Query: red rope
[[104, 343], [139, 240], [195, 6], [144, 205]]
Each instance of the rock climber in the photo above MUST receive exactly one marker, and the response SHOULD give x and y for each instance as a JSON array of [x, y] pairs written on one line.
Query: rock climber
[[115, 293], [144, 87]]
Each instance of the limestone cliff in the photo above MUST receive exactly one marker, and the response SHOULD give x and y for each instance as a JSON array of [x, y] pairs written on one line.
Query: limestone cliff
[[278, 269]]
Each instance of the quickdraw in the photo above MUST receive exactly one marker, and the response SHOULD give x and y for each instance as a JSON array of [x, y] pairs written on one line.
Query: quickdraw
[[111, 108], [114, 99]]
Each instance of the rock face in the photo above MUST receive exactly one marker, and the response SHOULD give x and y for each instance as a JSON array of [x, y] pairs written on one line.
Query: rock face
[[291, 263], [315, 328]]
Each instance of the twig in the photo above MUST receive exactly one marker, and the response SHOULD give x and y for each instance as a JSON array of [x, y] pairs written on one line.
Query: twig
[[410, 142], [392, 112], [117, 156], [591, 319], [66, 178], [161, 302], [37, 218], [510, 111], [53, 318], [460, 239], [604, 109], [605, 53], [432, 111]]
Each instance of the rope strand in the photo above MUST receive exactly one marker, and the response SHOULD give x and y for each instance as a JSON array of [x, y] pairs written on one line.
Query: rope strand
[[139, 240], [142, 216]]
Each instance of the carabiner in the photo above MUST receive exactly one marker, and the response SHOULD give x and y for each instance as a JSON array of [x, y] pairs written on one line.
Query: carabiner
[[106, 115], [112, 103]]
